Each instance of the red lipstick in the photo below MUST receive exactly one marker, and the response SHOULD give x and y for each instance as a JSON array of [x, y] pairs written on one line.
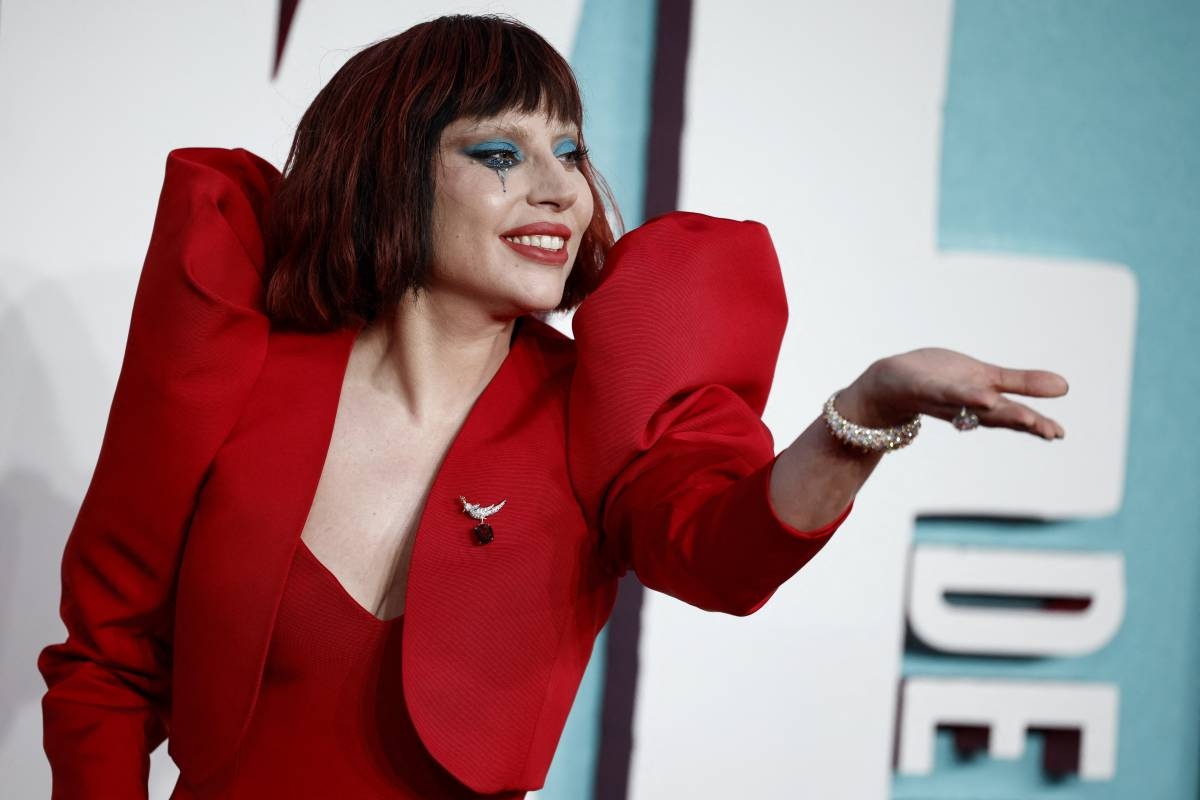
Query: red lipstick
[[540, 229], [552, 257]]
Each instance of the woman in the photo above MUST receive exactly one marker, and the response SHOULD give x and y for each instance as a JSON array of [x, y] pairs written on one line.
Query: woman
[[360, 512]]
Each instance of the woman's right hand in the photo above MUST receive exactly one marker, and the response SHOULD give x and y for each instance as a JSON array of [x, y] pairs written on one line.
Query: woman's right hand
[[938, 382]]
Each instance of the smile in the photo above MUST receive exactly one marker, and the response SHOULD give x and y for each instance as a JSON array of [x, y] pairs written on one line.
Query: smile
[[544, 242], [552, 253]]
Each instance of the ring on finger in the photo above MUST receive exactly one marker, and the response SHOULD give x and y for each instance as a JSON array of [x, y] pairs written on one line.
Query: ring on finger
[[965, 420]]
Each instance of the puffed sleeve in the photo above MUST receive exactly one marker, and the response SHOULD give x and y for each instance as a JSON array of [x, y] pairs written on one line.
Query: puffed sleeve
[[675, 355], [197, 340]]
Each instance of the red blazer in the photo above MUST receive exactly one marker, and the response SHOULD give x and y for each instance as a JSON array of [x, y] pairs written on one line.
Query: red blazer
[[637, 445]]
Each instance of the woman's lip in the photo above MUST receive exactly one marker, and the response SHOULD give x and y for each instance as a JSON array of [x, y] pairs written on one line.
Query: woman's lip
[[541, 229], [555, 258]]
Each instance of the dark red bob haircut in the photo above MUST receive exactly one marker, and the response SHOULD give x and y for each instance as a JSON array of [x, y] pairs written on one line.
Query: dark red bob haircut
[[348, 233]]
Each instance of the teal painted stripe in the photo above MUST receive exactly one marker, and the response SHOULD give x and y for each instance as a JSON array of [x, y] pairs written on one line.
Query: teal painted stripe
[[1071, 129], [613, 59]]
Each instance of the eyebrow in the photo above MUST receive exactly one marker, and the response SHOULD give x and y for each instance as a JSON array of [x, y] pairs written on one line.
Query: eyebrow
[[518, 131]]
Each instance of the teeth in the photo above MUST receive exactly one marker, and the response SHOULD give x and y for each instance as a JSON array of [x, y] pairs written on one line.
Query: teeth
[[544, 242]]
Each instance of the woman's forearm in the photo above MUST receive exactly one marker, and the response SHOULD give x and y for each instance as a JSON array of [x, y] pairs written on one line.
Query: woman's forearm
[[816, 477]]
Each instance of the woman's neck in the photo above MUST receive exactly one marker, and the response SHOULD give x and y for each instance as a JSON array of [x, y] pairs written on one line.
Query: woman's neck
[[432, 359]]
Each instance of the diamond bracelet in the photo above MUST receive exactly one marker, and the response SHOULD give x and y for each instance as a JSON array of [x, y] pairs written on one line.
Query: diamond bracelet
[[872, 439]]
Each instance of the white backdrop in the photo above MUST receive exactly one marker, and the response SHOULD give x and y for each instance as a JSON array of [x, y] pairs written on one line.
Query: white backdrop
[[821, 120], [826, 127]]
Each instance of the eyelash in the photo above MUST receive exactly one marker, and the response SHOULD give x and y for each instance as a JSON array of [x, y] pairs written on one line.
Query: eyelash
[[486, 157], [577, 155]]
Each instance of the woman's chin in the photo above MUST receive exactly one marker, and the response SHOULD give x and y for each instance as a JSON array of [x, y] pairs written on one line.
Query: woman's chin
[[541, 302], [540, 309]]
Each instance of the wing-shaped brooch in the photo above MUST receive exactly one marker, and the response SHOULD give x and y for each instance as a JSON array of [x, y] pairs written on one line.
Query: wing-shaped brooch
[[483, 531]]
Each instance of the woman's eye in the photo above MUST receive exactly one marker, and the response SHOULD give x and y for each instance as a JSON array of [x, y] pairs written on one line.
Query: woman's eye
[[498, 159], [575, 156]]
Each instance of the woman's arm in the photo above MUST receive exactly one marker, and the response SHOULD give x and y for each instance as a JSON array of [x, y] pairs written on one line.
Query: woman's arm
[[197, 339], [667, 448], [691, 515], [668, 452], [817, 475]]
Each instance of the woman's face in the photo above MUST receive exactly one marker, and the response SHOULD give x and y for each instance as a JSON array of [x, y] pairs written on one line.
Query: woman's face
[[510, 208]]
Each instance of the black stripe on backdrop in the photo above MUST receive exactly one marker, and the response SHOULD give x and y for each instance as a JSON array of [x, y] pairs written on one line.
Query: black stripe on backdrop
[[661, 194], [287, 11]]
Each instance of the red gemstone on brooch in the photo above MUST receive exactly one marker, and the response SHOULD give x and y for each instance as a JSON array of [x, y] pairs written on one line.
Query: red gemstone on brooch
[[483, 531]]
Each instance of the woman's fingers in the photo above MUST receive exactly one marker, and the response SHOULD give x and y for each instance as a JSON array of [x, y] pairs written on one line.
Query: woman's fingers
[[1020, 417], [940, 382], [1029, 382], [1007, 414]]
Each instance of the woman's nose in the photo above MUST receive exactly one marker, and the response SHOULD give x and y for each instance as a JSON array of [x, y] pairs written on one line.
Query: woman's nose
[[552, 185]]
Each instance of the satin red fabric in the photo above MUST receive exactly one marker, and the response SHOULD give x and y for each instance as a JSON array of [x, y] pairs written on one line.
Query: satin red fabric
[[637, 445]]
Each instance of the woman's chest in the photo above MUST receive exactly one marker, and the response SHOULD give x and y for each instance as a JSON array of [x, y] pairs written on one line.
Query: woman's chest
[[509, 617], [385, 505], [369, 500]]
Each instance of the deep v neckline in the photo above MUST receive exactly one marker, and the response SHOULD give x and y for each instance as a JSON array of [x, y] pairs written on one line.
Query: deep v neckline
[[351, 334], [305, 551]]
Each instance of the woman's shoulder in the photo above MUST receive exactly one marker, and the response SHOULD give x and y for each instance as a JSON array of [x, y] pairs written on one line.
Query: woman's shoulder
[[199, 321], [555, 351], [687, 321], [235, 165], [687, 230], [687, 299]]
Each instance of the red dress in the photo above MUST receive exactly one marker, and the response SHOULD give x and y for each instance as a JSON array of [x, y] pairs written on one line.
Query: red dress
[[331, 720], [637, 446]]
